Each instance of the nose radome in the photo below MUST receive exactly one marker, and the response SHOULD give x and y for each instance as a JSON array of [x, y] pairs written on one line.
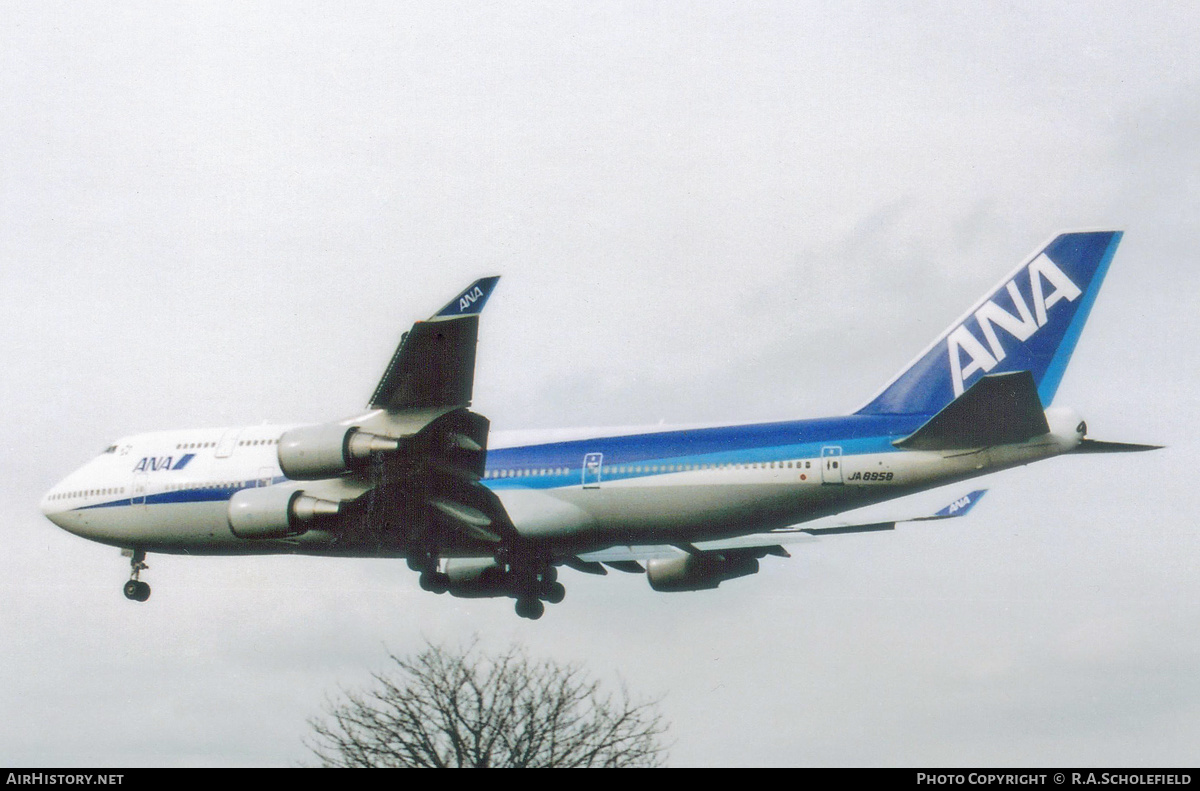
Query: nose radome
[[51, 508], [47, 503], [60, 511]]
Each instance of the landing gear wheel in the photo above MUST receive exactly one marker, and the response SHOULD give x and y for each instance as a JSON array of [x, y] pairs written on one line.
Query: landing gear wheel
[[434, 582], [530, 608], [424, 561], [555, 593], [136, 590]]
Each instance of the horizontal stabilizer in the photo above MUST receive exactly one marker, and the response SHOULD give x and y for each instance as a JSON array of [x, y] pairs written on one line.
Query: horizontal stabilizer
[[1098, 446], [999, 409]]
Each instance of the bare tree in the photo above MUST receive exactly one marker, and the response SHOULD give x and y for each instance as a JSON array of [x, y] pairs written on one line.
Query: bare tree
[[447, 708]]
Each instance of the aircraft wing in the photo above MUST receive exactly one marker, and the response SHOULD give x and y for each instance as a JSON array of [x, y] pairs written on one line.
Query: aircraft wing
[[627, 558], [422, 454]]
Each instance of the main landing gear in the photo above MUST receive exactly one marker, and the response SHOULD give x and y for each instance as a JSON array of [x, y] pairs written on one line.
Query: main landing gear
[[426, 564], [531, 579], [135, 589], [535, 586], [434, 581]]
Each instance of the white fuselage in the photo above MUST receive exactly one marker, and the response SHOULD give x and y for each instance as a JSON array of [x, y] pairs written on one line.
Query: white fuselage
[[170, 491]]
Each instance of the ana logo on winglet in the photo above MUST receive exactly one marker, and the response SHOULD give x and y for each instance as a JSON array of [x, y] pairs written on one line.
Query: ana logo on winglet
[[960, 506], [467, 300], [982, 359], [962, 502]]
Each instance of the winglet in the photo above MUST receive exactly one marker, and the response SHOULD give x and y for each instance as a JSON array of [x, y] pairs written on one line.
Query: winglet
[[470, 301], [959, 507]]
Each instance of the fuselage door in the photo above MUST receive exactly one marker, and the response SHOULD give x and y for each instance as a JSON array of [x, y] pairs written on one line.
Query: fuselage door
[[831, 464], [139, 489], [265, 476], [228, 443], [592, 465]]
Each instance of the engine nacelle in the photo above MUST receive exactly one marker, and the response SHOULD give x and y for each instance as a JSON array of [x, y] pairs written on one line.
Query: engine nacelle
[[328, 450], [698, 572], [275, 512], [476, 578]]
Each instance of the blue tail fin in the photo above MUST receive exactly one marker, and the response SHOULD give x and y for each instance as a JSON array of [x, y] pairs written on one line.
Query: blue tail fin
[[1030, 322]]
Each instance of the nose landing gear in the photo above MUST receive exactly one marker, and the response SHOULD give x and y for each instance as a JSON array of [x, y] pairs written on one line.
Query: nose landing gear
[[135, 589]]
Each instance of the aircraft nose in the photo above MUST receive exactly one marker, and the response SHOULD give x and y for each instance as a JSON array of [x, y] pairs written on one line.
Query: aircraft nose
[[51, 507], [58, 506]]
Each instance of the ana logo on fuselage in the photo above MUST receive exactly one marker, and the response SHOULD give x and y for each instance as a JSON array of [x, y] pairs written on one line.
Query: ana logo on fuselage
[[982, 359], [157, 463]]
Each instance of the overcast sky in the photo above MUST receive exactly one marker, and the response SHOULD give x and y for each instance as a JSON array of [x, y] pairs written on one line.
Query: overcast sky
[[223, 213]]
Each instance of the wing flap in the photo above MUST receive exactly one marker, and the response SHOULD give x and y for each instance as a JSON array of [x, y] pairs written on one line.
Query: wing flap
[[468, 519]]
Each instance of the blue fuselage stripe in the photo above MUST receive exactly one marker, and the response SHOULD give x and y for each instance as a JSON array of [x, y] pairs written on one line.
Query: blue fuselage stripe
[[199, 494], [557, 464], [752, 444]]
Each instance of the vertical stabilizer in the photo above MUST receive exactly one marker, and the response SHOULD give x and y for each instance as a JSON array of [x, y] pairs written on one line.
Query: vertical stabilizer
[[1030, 321]]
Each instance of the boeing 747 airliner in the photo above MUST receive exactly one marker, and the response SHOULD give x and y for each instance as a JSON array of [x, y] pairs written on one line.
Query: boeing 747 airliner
[[417, 475]]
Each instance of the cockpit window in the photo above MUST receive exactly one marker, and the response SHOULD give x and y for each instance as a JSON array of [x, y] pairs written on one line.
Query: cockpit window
[[110, 449]]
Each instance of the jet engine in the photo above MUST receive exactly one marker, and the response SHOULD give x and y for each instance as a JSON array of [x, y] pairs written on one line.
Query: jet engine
[[484, 578], [275, 512], [328, 450], [476, 578], [699, 572]]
